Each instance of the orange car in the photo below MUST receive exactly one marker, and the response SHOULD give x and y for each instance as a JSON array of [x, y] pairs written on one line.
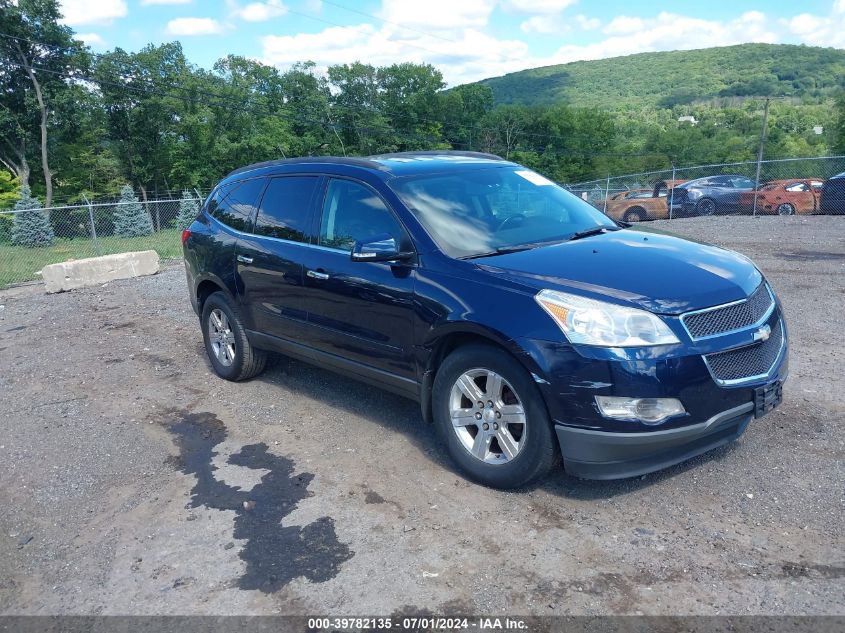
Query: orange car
[[637, 209], [784, 197]]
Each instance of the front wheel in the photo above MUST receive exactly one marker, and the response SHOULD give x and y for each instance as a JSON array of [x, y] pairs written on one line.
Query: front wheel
[[786, 209], [491, 416], [706, 206], [231, 354]]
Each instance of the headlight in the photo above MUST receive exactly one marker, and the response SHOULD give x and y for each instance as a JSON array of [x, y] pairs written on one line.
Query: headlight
[[591, 322]]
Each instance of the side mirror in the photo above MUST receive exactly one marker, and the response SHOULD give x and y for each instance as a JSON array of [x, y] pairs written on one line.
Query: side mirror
[[379, 248]]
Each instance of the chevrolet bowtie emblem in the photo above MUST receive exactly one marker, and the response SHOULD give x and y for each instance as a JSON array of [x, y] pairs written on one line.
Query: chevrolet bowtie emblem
[[762, 334]]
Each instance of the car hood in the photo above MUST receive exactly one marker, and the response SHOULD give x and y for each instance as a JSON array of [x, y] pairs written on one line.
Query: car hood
[[655, 271]]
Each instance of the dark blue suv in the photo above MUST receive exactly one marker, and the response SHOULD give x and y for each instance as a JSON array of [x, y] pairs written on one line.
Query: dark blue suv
[[526, 323]]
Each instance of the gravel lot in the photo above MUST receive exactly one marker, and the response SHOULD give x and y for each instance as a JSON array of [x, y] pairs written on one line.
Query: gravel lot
[[133, 481]]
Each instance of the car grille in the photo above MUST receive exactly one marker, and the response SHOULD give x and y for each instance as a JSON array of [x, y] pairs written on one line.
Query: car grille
[[747, 363], [731, 317]]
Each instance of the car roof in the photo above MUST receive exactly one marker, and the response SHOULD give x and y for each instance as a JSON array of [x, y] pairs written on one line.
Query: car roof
[[396, 164]]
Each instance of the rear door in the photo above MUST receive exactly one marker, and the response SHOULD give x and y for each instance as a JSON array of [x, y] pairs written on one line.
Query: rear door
[[270, 259], [361, 311]]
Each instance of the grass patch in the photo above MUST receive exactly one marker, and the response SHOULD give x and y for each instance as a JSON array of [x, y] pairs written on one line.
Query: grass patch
[[18, 263]]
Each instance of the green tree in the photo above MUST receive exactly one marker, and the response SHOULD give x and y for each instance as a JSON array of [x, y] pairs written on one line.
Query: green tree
[[31, 226], [41, 59], [130, 218], [9, 189], [409, 98], [839, 134], [189, 208]]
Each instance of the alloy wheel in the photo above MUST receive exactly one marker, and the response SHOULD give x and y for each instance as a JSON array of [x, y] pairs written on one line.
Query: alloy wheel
[[706, 207], [786, 209], [221, 337], [487, 416]]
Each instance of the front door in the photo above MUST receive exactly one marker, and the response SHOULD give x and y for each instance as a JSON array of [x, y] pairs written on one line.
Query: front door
[[359, 310]]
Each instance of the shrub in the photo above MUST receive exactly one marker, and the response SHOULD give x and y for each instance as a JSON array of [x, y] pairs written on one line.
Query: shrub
[[189, 208], [31, 225], [130, 218], [6, 220]]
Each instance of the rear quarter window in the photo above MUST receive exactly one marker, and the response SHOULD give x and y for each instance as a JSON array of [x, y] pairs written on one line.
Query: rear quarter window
[[234, 205]]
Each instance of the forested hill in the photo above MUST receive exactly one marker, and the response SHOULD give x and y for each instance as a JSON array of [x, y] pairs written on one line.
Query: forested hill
[[679, 77]]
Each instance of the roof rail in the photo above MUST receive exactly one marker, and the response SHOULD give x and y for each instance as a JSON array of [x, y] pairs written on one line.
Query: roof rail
[[437, 152], [333, 160]]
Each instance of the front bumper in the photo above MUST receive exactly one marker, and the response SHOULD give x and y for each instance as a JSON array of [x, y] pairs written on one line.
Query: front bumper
[[597, 447], [601, 455]]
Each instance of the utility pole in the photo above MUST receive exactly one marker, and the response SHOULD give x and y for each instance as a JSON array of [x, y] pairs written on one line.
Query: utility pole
[[760, 154]]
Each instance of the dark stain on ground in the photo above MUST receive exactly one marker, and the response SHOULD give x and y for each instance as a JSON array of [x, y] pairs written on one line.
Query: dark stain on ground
[[274, 554], [811, 256], [373, 497], [16, 329]]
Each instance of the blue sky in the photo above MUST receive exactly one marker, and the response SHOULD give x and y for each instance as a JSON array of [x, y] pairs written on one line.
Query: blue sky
[[466, 39]]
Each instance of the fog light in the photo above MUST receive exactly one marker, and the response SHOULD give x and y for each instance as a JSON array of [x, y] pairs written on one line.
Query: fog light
[[646, 410]]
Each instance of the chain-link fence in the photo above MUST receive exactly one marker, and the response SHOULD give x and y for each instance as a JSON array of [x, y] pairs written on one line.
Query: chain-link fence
[[31, 238], [774, 187]]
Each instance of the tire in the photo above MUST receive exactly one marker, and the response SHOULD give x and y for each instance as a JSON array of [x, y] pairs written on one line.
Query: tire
[[706, 206], [634, 215], [233, 357], [786, 209], [528, 450]]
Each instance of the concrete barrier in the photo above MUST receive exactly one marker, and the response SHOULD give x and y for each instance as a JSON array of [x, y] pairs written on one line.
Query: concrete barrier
[[79, 273]]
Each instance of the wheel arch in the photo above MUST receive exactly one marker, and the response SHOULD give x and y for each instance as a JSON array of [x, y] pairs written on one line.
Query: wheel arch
[[207, 286], [448, 338], [636, 209]]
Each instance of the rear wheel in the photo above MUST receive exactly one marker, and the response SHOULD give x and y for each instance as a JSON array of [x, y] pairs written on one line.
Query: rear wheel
[[706, 206], [786, 209], [231, 354], [634, 215], [491, 416]]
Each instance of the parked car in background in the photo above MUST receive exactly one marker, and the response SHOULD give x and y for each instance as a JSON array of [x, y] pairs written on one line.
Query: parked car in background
[[648, 204], [711, 195], [527, 324], [784, 197], [832, 197]]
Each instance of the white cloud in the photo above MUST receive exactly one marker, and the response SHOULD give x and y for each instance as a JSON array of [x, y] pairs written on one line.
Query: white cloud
[[260, 11], [539, 6], [623, 24], [92, 39], [146, 2], [438, 14], [77, 12], [193, 26], [587, 24], [543, 24], [670, 31], [473, 54], [818, 30]]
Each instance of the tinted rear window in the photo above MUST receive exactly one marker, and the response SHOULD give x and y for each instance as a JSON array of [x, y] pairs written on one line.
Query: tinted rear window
[[234, 205], [285, 206]]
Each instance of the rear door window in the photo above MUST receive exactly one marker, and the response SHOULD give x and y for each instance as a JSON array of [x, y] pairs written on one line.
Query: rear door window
[[285, 208], [234, 205]]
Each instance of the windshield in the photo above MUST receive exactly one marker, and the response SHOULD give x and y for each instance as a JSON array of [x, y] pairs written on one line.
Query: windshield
[[480, 211]]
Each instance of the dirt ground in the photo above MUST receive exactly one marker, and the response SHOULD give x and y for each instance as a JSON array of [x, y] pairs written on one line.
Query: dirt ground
[[133, 481]]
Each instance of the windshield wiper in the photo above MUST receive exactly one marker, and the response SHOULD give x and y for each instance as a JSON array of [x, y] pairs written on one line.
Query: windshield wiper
[[502, 250], [596, 230]]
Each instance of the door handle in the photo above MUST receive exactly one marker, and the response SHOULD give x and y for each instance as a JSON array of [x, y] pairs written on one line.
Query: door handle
[[315, 274], [244, 259]]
